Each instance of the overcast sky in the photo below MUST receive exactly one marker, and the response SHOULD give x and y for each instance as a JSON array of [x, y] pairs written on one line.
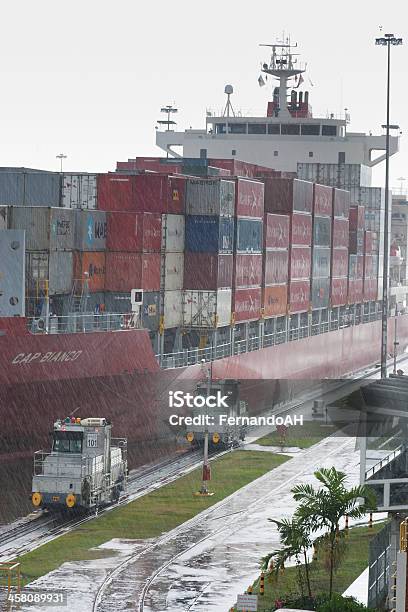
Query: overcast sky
[[88, 78]]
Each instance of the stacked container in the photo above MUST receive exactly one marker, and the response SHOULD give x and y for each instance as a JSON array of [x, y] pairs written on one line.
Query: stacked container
[[247, 272], [321, 247], [275, 265], [343, 176], [356, 254], [370, 267], [295, 198], [79, 191], [50, 242], [208, 259], [90, 246], [172, 269], [340, 248], [27, 187]]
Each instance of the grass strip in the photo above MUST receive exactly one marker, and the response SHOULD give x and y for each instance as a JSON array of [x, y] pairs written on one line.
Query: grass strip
[[302, 436], [151, 515]]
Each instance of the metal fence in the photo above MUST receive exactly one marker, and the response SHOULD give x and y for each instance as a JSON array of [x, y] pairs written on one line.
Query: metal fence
[[379, 567], [83, 323]]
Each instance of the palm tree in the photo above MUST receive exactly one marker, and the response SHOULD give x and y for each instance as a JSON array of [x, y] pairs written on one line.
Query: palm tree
[[323, 508], [295, 537]]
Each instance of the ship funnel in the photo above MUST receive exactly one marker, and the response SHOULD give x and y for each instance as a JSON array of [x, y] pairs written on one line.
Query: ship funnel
[[306, 97], [293, 96], [301, 97]]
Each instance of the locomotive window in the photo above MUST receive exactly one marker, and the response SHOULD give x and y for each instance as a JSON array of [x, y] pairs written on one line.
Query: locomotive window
[[67, 442]]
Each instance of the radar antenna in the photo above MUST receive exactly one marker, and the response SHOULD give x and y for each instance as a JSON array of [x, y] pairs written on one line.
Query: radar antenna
[[228, 107], [283, 65]]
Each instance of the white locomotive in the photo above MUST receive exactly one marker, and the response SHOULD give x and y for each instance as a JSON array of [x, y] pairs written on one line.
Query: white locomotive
[[85, 469]]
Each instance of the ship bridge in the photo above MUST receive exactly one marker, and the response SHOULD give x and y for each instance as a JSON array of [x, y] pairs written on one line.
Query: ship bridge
[[286, 136]]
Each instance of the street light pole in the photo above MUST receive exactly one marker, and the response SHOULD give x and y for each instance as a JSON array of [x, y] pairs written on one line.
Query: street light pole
[[388, 40], [61, 157]]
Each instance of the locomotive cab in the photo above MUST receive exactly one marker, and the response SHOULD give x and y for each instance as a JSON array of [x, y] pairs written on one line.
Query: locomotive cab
[[86, 467]]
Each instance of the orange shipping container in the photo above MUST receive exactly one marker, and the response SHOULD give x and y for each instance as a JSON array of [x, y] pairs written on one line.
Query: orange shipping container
[[90, 265], [275, 300]]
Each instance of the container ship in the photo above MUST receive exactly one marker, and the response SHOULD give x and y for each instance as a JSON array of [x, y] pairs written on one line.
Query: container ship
[[258, 248]]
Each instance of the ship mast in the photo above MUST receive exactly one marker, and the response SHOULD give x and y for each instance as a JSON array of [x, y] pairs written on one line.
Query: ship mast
[[282, 67]]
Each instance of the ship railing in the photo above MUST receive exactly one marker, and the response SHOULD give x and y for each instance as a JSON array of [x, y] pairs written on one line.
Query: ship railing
[[52, 464], [384, 461], [83, 323]]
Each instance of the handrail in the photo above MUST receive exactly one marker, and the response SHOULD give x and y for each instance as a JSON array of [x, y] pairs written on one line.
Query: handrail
[[83, 323], [385, 461]]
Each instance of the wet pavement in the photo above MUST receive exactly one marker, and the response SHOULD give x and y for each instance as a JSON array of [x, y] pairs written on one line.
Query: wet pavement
[[203, 564]]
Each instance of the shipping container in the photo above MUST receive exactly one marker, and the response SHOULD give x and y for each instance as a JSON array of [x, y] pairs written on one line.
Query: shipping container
[[299, 296], [276, 231], [26, 187], [300, 263], [153, 164], [90, 230], [173, 233], [341, 203], [283, 195], [355, 291], [115, 192], [210, 197], [275, 300], [356, 242], [173, 309], [247, 270], [207, 309], [172, 271], [276, 267], [370, 290], [12, 188], [320, 293], [322, 200], [127, 271], [369, 241], [247, 304], [4, 210], [134, 232], [235, 166], [79, 191], [369, 197], [357, 217], [207, 271], [301, 229], [56, 267], [12, 273], [91, 266], [342, 176], [360, 266], [205, 234], [46, 228], [149, 312], [338, 291], [340, 233], [249, 198], [370, 266], [249, 235], [321, 262], [322, 231], [340, 262]]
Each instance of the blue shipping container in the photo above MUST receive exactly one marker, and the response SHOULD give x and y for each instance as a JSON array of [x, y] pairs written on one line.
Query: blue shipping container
[[209, 234], [249, 236]]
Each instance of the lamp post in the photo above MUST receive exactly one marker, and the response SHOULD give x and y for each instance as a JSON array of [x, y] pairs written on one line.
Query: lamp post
[[387, 40], [61, 157]]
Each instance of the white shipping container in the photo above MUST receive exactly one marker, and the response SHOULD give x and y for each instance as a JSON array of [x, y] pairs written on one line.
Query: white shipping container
[[173, 232], [207, 309], [79, 191], [46, 228], [172, 275], [173, 312], [55, 267]]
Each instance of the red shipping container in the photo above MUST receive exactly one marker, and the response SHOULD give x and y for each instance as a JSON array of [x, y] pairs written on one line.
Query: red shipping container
[[340, 233], [338, 291], [369, 267], [275, 300], [276, 267], [115, 191], [91, 266], [357, 218], [360, 266], [247, 270], [355, 291], [126, 271], [301, 229], [159, 193], [249, 198], [322, 200], [133, 232], [299, 296], [341, 203], [339, 264], [247, 304], [285, 195], [369, 238], [370, 289], [207, 271], [235, 166], [300, 262], [276, 231], [158, 164]]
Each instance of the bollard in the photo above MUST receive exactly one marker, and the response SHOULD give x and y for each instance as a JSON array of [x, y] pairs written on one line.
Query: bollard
[[262, 584]]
